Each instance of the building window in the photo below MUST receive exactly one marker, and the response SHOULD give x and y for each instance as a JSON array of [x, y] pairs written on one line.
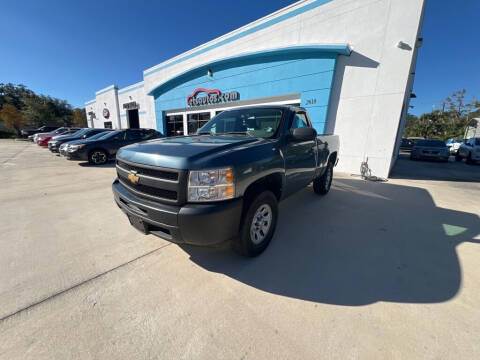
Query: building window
[[174, 125], [107, 125], [196, 121]]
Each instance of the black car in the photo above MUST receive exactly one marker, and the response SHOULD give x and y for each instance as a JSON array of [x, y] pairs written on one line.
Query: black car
[[29, 132], [85, 133], [101, 149]]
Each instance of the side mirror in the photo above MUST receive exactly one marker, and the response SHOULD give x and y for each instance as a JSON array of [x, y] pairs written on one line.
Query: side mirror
[[303, 134]]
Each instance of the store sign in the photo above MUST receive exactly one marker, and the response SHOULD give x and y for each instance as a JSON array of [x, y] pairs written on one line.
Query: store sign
[[214, 96], [106, 113], [131, 105]]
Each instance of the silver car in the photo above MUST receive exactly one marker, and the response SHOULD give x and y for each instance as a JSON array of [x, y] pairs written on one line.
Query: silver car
[[430, 149]]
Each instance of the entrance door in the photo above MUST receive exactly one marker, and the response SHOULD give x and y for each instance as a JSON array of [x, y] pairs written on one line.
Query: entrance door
[[133, 119], [196, 121]]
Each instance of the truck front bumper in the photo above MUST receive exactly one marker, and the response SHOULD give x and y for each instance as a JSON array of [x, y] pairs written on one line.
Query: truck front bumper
[[196, 224]]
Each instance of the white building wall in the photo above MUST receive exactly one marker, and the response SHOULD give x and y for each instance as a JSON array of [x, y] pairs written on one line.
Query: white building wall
[[136, 93], [369, 87]]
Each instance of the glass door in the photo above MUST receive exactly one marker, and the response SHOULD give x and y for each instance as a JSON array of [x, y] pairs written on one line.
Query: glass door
[[196, 121]]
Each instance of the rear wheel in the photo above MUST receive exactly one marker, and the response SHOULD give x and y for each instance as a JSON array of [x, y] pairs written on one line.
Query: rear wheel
[[258, 225], [98, 157], [322, 184]]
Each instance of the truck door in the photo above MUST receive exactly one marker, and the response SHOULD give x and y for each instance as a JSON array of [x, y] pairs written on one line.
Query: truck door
[[300, 157]]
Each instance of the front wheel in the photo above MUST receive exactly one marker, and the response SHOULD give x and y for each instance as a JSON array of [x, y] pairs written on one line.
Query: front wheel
[[469, 159], [258, 225], [98, 157], [322, 184]]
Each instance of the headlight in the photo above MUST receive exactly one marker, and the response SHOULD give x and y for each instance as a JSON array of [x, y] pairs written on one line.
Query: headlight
[[75, 147], [211, 185]]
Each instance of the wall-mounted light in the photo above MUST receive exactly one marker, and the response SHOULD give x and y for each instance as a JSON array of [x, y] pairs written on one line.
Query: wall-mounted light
[[209, 72], [413, 96], [105, 103], [130, 97], [419, 42], [403, 46]]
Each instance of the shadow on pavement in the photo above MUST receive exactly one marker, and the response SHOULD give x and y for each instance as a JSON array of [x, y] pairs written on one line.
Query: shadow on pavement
[[362, 243], [433, 170], [110, 164]]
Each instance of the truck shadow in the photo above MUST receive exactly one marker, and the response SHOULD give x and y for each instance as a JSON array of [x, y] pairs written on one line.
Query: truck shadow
[[362, 243]]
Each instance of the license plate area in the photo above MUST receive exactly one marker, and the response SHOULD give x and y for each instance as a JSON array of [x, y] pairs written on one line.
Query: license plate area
[[138, 224]]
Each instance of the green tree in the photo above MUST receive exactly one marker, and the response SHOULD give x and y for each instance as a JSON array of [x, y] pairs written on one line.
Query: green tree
[[449, 122], [12, 118], [79, 118]]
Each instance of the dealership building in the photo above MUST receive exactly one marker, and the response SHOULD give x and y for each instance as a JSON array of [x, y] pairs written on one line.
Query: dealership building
[[350, 63]]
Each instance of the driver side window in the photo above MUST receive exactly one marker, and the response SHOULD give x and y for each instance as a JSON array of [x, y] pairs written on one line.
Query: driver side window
[[299, 120]]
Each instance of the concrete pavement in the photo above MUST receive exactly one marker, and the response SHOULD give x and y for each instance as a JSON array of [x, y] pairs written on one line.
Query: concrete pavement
[[372, 270]]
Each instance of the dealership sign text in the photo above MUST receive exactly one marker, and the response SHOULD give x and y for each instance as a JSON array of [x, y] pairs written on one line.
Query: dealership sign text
[[214, 96]]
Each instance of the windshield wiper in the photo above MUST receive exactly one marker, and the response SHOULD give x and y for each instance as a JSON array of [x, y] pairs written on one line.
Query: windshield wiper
[[238, 132], [204, 133]]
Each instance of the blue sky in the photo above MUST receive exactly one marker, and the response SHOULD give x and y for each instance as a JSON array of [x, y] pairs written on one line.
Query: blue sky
[[70, 49]]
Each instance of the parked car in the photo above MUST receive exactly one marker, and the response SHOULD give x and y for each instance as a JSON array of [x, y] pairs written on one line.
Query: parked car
[[430, 149], [85, 133], [60, 131], [469, 150], [30, 132], [224, 183], [407, 144], [44, 139], [99, 150], [63, 148], [454, 144]]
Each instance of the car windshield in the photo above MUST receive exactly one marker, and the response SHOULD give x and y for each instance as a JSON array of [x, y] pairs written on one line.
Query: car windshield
[[431, 143], [109, 134], [254, 122], [99, 135], [82, 132]]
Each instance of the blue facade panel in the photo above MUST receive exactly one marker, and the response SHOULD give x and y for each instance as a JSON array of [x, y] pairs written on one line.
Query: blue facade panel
[[262, 75]]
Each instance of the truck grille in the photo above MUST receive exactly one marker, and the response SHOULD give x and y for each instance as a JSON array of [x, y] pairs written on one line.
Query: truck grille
[[154, 183]]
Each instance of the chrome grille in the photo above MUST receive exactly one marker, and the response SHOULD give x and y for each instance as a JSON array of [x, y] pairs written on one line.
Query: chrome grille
[[154, 183]]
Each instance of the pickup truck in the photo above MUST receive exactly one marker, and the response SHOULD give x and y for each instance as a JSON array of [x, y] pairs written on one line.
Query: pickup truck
[[224, 183]]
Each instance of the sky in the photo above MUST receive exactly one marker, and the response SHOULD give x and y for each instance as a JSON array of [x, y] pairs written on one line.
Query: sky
[[70, 49]]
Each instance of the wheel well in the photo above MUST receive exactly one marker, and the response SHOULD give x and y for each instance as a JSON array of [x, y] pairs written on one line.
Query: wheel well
[[272, 182], [333, 157]]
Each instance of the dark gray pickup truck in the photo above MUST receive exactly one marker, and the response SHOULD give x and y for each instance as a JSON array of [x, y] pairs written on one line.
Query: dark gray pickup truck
[[225, 182]]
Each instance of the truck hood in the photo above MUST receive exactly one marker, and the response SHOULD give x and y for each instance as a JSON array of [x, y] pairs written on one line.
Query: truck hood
[[187, 152]]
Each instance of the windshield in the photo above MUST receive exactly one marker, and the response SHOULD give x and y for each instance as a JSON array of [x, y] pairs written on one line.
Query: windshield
[[81, 132], [431, 143], [259, 122], [99, 135], [109, 134]]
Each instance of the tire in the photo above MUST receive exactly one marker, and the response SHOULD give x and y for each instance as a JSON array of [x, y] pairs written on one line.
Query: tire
[[458, 158], [98, 157], [469, 159], [254, 237], [322, 184]]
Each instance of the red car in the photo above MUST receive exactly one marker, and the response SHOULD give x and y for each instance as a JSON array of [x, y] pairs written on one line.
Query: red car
[[44, 139]]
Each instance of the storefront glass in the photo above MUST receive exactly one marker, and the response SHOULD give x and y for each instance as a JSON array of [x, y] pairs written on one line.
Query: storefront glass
[[196, 121], [174, 125]]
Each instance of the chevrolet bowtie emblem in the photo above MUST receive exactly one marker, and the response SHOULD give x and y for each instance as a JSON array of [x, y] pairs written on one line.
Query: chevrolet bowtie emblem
[[133, 178]]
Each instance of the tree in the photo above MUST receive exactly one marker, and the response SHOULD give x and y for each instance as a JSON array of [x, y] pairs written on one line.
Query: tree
[[79, 118], [450, 122], [12, 117]]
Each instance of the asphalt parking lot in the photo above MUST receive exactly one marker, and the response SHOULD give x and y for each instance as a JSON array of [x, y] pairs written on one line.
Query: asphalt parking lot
[[373, 270]]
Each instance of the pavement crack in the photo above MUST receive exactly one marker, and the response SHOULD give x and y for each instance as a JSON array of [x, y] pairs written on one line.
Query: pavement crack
[[50, 297]]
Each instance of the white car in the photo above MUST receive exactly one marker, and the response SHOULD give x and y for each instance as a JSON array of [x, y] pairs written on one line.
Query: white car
[[470, 150]]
